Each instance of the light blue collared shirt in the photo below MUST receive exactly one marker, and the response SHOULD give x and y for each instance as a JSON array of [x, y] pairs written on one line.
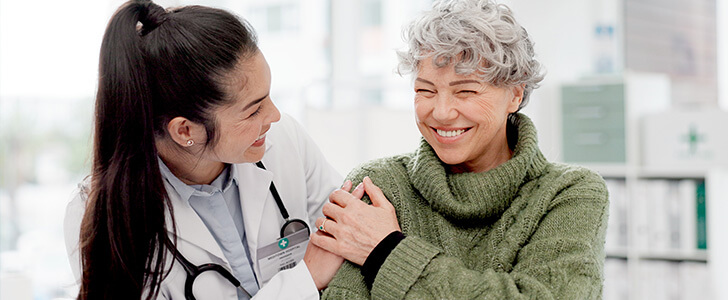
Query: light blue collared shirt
[[218, 205]]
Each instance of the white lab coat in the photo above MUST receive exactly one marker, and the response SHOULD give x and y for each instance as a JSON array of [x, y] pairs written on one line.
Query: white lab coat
[[303, 179]]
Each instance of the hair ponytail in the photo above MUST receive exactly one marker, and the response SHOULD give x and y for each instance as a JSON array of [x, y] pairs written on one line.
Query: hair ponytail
[[169, 67], [124, 223]]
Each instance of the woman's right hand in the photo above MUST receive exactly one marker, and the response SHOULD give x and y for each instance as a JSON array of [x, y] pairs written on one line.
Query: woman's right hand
[[323, 264]]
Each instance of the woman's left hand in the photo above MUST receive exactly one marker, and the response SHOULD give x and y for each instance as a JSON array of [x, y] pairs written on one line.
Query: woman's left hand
[[353, 228]]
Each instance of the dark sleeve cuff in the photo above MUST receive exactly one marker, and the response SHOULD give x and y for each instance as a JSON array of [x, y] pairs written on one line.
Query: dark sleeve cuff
[[375, 259]]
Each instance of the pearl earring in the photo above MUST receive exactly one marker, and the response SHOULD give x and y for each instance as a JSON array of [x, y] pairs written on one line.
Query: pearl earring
[[190, 143]]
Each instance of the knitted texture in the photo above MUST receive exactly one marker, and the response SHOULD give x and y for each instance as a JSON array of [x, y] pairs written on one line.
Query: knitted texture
[[525, 229]]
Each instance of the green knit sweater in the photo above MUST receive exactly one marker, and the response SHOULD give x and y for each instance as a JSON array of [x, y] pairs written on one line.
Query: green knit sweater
[[527, 229]]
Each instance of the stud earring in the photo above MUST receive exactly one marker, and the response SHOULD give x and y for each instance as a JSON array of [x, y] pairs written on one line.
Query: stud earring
[[190, 143]]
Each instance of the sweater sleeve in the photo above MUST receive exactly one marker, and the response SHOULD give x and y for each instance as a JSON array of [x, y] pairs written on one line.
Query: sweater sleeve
[[563, 259]]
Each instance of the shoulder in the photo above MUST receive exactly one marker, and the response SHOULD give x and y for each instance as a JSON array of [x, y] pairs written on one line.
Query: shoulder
[[72, 225], [286, 135], [79, 197], [285, 129], [574, 181], [578, 175], [391, 169]]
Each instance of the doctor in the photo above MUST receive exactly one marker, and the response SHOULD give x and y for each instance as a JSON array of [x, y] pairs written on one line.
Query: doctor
[[200, 188]]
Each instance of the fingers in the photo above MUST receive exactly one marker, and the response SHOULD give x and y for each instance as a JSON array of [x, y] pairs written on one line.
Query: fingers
[[332, 211], [320, 223], [358, 191], [341, 198], [347, 185], [323, 241], [325, 225], [375, 194]]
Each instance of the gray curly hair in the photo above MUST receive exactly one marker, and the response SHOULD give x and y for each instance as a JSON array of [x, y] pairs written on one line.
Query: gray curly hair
[[481, 35]]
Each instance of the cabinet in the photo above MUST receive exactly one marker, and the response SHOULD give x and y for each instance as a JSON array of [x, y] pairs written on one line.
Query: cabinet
[[666, 236], [664, 239], [600, 116]]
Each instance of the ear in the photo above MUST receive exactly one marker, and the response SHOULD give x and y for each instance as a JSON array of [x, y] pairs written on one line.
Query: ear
[[515, 101], [182, 130]]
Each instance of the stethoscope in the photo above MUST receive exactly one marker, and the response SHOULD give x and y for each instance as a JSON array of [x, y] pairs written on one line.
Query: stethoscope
[[289, 227]]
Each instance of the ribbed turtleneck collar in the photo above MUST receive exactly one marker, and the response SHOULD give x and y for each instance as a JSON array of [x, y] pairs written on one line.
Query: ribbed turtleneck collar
[[475, 196]]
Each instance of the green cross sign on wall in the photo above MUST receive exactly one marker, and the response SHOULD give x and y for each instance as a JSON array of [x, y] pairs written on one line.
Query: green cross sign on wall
[[693, 138]]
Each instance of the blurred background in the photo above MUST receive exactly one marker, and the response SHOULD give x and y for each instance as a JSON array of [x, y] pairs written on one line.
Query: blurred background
[[628, 82]]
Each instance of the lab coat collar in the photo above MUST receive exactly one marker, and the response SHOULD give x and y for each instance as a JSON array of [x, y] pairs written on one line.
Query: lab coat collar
[[186, 191], [182, 189], [188, 225], [253, 183]]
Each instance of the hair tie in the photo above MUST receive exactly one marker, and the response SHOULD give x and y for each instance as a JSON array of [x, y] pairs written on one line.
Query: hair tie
[[151, 16]]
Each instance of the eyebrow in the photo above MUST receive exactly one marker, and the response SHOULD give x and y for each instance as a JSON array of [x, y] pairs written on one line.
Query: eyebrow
[[251, 104], [464, 82], [425, 81], [451, 83]]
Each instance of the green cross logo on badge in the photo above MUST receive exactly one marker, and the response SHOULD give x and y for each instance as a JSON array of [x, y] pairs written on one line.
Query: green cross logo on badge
[[283, 243]]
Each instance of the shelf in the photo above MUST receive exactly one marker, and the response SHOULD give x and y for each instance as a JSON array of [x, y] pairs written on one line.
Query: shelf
[[621, 171], [654, 191], [666, 255], [607, 170], [676, 255], [617, 253], [671, 172]]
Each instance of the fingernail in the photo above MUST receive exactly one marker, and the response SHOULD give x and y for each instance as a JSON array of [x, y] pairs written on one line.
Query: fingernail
[[359, 186]]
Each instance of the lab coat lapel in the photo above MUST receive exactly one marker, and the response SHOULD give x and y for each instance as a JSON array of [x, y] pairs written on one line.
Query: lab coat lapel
[[189, 226], [254, 184], [253, 193]]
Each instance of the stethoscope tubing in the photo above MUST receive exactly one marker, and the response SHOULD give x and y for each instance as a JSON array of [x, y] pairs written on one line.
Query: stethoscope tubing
[[194, 271]]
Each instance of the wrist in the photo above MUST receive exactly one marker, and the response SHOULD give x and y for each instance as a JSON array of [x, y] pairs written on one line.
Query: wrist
[[379, 254]]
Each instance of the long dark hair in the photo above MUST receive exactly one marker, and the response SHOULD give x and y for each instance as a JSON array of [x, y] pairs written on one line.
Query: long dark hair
[[170, 65]]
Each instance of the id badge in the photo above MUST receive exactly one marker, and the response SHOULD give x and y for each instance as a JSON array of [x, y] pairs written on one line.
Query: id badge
[[283, 254]]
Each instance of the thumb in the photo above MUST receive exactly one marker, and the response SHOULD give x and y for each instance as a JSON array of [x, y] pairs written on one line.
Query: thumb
[[375, 194]]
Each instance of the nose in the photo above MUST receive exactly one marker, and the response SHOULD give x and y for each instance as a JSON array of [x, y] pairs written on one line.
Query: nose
[[275, 114], [444, 109]]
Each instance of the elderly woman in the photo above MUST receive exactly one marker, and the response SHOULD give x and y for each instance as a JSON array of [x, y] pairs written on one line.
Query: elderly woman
[[480, 213]]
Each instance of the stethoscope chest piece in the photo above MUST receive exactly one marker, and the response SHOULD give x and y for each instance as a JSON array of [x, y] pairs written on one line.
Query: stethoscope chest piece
[[290, 227]]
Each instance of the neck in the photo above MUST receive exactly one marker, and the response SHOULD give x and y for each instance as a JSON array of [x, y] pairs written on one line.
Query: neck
[[495, 156], [484, 164], [190, 167]]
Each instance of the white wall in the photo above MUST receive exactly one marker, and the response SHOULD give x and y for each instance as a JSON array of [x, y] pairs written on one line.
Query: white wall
[[562, 33], [722, 34], [350, 134], [349, 137]]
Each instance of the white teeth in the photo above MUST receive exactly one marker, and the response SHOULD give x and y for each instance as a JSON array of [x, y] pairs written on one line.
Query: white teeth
[[450, 133], [260, 137]]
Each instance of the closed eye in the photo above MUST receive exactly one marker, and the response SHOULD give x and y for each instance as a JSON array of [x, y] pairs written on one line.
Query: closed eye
[[256, 112]]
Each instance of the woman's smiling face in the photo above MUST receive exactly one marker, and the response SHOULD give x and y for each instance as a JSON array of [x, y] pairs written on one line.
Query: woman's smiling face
[[463, 117], [244, 123]]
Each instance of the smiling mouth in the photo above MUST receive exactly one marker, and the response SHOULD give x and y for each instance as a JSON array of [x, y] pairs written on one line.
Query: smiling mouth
[[450, 133]]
